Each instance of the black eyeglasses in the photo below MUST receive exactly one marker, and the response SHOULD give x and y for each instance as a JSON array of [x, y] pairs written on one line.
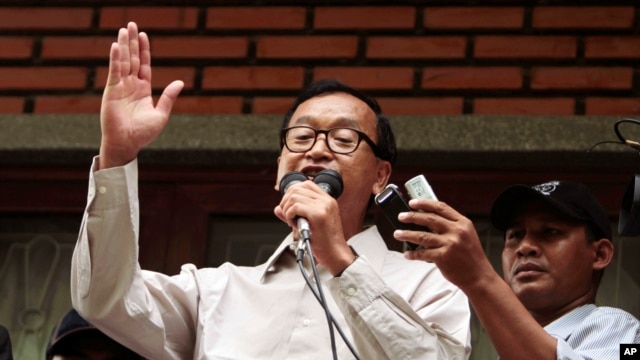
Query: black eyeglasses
[[339, 140]]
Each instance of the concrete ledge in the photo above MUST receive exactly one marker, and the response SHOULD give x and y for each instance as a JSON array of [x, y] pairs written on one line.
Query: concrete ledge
[[464, 142]]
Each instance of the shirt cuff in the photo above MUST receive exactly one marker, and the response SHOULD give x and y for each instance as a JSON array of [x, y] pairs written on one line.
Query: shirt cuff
[[112, 187], [354, 260], [357, 286]]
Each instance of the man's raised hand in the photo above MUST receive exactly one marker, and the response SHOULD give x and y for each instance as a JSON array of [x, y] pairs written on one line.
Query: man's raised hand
[[128, 117]]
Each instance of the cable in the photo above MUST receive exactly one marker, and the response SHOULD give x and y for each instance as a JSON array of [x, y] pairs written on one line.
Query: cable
[[604, 142], [299, 256], [622, 140], [320, 297]]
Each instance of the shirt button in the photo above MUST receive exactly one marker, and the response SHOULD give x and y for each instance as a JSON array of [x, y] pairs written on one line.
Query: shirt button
[[306, 322], [102, 189], [351, 291]]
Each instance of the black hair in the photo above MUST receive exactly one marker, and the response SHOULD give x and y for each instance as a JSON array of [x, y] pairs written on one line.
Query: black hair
[[386, 141]]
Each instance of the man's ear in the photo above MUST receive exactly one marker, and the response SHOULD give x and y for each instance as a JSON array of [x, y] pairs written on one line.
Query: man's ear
[[383, 173], [603, 250]]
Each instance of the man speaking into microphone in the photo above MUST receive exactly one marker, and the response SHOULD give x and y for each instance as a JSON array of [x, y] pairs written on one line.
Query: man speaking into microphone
[[386, 306]]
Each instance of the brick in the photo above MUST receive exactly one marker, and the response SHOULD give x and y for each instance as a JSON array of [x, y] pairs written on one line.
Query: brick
[[369, 78], [207, 105], [149, 17], [250, 77], [364, 17], [271, 105], [525, 47], [184, 104], [581, 78], [45, 18], [421, 105], [250, 17], [612, 47], [472, 78], [67, 104], [42, 78], [75, 47], [473, 17], [161, 77], [402, 47], [583, 17], [524, 106], [204, 47], [612, 106], [11, 105], [15, 47], [306, 47]]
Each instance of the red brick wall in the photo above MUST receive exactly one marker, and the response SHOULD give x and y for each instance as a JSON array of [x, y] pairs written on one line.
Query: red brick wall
[[416, 59]]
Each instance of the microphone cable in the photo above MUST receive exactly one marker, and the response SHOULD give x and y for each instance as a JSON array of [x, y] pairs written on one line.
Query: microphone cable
[[306, 243], [319, 295], [622, 139]]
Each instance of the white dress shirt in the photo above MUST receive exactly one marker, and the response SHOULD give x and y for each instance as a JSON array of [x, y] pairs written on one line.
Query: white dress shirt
[[389, 307], [592, 332]]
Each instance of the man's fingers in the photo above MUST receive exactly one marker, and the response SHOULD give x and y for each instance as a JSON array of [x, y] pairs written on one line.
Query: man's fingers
[[169, 96], [434, 206], [114, 65], [423, 238], [432, 221], [145, 57], [123, 44], [425, 254], [134, 48]]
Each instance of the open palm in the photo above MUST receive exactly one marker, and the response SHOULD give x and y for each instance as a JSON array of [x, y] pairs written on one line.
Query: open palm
[[128, 116]]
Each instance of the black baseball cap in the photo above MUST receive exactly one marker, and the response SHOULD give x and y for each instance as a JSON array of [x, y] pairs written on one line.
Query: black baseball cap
[[72, 331], [69, 325], [570, 198]]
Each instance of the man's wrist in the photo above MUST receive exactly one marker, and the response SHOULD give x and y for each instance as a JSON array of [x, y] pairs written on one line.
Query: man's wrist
[[355, 257]]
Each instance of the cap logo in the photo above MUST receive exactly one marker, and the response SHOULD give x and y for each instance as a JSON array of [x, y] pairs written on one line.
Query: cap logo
[[546, 188]]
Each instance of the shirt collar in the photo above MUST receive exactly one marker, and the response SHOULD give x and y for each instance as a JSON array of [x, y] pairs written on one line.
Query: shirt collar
[[367, 243], [563, 326], [287, 244], [370, 245]]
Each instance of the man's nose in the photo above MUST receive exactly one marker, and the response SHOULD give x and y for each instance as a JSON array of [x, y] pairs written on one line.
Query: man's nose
[[528, 246], [321, 146]]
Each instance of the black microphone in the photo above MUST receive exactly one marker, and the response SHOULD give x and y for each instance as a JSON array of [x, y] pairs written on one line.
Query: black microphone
[[328, 180]]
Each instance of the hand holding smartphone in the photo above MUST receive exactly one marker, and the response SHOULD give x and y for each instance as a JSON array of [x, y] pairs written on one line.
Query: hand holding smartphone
[[391, 201]]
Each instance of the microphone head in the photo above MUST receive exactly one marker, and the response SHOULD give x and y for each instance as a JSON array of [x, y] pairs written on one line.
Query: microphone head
[[291, 178], [330, 181]]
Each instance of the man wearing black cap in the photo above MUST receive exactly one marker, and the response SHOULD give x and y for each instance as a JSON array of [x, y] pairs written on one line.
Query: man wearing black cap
[[75, 338], [557, 245]]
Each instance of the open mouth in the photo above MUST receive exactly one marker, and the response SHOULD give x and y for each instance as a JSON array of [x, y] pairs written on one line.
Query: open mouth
[[311, 172]]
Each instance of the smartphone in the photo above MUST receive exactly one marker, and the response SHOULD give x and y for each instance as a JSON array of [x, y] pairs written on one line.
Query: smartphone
[[392, 203]]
